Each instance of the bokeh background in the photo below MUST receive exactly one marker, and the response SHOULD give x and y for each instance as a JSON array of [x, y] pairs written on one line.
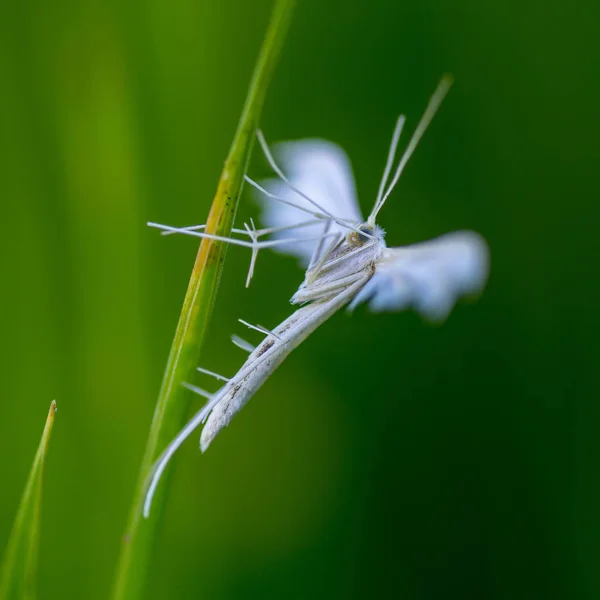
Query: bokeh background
[[386, 457]]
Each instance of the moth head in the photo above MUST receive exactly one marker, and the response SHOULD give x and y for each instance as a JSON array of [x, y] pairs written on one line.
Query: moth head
[[361, 236]]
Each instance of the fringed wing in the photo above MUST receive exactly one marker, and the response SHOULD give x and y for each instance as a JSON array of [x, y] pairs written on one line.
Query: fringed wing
[[429, 277]]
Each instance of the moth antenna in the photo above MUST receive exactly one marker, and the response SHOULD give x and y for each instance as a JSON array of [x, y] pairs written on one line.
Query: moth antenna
[[432, 107], [212, 374], [243, 344], [259, 328], [197, 390], [390, 157], [165, 457]]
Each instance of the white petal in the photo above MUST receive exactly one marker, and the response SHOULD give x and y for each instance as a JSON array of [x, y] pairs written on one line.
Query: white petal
[[429, 277], [322, 171]]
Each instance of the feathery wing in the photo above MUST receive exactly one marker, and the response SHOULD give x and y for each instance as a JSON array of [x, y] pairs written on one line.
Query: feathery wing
[[322, 171], [429, 277]]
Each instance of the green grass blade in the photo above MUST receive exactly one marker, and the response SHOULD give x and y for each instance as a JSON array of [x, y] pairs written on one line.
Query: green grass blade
[[172, 404], [17, 578]]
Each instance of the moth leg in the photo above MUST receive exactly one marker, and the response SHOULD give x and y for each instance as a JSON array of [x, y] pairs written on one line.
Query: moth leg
[[348, 224], [212, 374], [230, 240], [165, 457], [319, 247], [253, 233], [300, 225], [259, 232], [197, 390], [259, 328], [243, 344], [254, 243], [199, 228], [316, 214], [254, 237], [256, 233], [265, 148], [335, 261], [312, 271]]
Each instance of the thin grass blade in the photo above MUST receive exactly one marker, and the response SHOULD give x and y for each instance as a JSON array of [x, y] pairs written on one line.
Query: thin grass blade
[[171, 408], [18, 574]]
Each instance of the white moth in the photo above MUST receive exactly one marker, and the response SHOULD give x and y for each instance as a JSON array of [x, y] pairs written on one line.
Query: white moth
[[346, 259]]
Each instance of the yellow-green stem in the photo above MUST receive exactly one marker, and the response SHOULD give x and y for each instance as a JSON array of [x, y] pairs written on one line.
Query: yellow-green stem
[[171, 407]]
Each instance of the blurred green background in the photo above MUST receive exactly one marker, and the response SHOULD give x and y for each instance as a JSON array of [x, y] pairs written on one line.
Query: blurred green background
[[386, 457]]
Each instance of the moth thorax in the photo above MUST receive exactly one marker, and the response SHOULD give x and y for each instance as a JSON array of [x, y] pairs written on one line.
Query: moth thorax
[[360, 237]]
